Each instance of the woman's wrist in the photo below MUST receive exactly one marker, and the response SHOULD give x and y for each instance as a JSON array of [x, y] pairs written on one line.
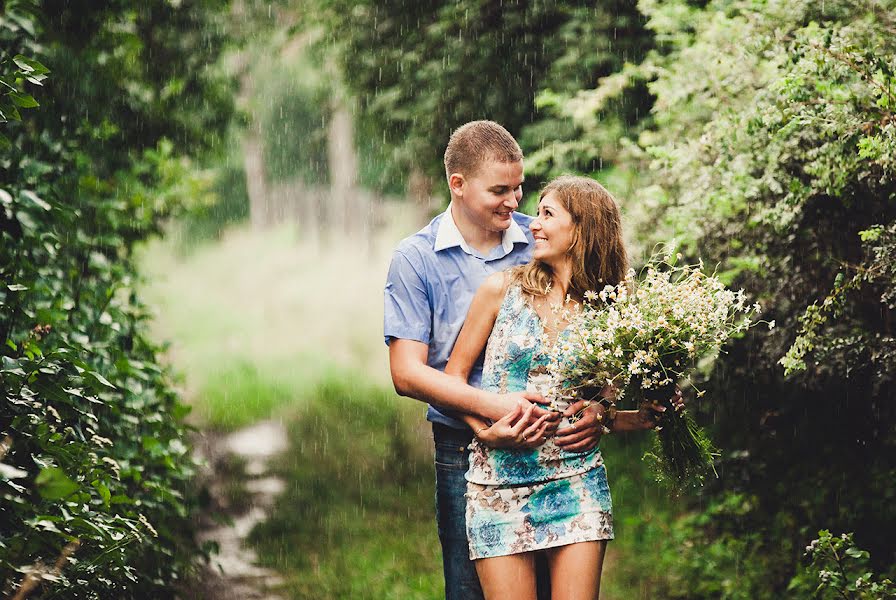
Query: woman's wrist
[[630, 420]]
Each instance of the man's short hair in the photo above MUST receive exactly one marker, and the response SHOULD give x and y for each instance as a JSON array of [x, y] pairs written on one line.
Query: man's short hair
[[476, 142]]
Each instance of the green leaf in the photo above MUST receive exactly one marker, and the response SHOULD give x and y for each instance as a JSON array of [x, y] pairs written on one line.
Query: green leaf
[[13, 366], [53, 484], [23, 100], [151, 445], [103, 490], [5, 144], [102, 380], [46, 524], [180, 411], [22, 21], [29, 65], [36, 200], [10, 113], [871, 234]]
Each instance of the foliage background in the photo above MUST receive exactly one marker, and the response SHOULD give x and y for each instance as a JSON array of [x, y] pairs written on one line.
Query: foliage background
[[96, 441], [757, 134]]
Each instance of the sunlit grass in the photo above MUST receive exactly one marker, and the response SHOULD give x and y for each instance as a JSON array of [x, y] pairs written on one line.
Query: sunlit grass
[[253, 319]]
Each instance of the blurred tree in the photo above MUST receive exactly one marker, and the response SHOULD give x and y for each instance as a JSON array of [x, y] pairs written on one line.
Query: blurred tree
[[421, 69]]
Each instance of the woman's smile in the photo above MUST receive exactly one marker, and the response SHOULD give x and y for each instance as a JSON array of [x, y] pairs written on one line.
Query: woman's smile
[[553, 230]]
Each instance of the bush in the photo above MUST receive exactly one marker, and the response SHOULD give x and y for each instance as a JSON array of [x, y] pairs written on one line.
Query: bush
[[769, 151], [95, 474], [839, 569]]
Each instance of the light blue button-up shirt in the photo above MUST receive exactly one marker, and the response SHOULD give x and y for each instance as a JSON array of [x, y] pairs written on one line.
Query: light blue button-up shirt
[[432, 279]]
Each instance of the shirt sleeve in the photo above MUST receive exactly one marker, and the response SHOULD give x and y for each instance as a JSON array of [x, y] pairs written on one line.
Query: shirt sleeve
[[407, 311]]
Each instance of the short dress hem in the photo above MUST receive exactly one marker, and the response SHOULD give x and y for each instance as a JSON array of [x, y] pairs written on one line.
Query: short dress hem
[[513, 519]]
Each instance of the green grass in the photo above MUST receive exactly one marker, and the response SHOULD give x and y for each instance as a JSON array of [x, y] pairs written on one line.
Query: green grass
[[643, 513], [241, 393], [357, 518]]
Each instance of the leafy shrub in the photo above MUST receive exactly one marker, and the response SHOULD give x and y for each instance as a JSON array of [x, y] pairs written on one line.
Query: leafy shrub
[[95, 470], [840, 570], [770, 149]]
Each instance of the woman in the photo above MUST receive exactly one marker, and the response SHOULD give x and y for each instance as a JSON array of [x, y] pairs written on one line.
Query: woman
[[541, 498]]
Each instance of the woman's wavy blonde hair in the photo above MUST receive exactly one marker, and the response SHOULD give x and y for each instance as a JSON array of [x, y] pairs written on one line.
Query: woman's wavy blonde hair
[[597, 252]]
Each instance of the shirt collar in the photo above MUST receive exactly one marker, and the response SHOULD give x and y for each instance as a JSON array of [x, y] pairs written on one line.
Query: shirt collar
[[449, 235]]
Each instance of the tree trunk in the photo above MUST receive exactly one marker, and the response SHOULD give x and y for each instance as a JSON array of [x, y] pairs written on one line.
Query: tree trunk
[[348, 206], [256, 179]]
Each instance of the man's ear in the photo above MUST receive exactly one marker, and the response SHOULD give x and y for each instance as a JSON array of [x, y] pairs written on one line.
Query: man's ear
[[456, 183]]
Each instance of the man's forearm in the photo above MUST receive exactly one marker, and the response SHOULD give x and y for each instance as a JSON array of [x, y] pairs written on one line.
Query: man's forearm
[[443, 391]]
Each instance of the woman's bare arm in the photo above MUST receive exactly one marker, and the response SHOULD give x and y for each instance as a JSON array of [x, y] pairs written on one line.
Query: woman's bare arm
[[522, 427], [477, 327]]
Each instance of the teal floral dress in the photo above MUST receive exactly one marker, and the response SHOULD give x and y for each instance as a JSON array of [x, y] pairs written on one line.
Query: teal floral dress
[[520, 500]]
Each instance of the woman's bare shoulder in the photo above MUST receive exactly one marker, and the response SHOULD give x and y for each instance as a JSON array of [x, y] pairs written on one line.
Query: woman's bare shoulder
[[496, 284]]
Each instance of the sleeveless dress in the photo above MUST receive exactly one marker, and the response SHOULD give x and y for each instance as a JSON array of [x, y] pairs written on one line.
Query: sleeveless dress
[[520, 500]]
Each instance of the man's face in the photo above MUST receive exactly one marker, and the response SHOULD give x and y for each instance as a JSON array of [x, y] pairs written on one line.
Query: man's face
[[489, 197]]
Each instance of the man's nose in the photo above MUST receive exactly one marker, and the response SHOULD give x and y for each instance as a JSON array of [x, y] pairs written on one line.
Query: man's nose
[[512, 201]]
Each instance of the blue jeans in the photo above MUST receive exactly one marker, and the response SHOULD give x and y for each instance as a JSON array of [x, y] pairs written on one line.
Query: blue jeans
[[452, 460]]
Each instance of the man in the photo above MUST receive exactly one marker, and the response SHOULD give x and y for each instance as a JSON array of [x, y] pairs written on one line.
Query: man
[[432, 279]]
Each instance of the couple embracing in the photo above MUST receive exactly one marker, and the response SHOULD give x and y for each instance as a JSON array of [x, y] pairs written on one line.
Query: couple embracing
[[522, 500]]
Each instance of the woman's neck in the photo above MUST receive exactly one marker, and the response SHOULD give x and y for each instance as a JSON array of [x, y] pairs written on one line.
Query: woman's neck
[[562, 277]]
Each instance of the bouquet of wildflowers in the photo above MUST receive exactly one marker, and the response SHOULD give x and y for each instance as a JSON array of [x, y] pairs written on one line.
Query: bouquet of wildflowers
[[642, 337]]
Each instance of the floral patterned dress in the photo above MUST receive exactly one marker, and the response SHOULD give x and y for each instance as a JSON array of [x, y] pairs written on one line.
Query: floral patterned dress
[[520, 500]]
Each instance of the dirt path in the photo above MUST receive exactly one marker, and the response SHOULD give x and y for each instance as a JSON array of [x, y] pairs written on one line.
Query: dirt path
[[241, 488]]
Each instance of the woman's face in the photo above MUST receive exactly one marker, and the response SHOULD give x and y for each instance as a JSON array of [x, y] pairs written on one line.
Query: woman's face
[[553, 231]]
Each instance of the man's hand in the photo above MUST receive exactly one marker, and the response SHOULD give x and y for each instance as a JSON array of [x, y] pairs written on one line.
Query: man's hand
[[520, 428], [584, 434]]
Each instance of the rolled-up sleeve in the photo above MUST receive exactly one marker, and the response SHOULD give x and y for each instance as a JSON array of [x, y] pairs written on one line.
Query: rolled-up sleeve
[[407, 311]]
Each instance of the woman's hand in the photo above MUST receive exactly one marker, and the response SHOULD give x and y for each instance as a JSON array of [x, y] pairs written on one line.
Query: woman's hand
[[519, 428], [585, 433], [648, 414]]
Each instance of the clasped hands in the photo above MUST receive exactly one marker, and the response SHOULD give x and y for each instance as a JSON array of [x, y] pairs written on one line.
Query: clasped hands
[[527, 424]]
